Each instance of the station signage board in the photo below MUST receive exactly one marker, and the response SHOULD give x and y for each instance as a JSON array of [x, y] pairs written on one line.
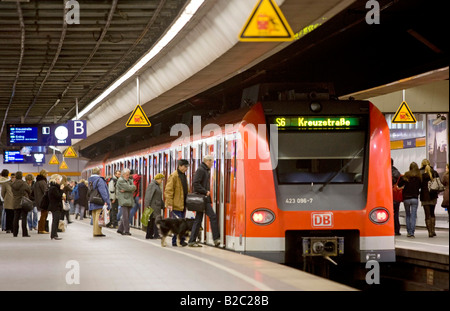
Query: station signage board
[[46, 134], [315, 123], [14, 156]]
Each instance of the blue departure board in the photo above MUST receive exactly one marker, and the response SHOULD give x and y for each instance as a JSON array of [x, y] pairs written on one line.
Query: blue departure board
[[14, 156], [23, 135]]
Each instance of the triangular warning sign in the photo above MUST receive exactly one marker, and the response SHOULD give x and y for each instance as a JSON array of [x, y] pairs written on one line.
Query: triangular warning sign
[[54, 160], [138, 118], [70, 153], [266, 23], [63, 165], [404, 115]]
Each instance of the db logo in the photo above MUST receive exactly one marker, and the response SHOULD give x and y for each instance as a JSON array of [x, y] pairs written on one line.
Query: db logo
[[322, 219]]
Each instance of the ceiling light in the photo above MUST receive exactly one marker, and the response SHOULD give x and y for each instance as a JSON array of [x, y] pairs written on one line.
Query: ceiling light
[[182, 20]]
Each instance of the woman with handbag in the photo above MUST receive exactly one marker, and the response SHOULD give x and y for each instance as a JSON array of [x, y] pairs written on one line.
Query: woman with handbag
[[55, 197], [20, 189], [428, 198], [411, 181], [154, 200]]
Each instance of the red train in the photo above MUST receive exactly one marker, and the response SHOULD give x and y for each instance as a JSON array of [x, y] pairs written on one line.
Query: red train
[[324, 189]]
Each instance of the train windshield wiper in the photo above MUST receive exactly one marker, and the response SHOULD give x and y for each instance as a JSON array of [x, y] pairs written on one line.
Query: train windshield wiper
[[341, 170]]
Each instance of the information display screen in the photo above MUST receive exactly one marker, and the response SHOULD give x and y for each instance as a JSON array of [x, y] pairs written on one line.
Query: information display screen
[[315, 122], [23, 135], [14, 156]]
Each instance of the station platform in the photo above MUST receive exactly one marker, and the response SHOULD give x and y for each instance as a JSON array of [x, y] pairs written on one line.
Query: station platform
[[131, 263]]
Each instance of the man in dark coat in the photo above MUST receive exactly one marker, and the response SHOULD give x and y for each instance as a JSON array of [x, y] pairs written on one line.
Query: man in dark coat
[[201, 185]]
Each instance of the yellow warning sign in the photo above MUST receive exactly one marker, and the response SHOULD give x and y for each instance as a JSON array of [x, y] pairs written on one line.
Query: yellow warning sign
[[138, 118], [54, 160], [266, 23], [63, 165], [404, 115], [70, 153]]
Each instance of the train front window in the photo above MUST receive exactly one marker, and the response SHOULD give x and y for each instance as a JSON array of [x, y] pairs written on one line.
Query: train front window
[[320, 157]]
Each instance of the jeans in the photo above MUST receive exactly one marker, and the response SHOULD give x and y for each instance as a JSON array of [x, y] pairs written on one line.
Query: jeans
[[32, 218], [134, 209], [411, 206], [79, 209]]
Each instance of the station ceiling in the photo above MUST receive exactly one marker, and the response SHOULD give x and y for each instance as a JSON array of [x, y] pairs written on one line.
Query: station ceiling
[[345, 51], [48, 60]]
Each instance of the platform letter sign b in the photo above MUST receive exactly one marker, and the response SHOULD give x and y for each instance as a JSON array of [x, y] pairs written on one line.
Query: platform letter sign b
[[373, 276]]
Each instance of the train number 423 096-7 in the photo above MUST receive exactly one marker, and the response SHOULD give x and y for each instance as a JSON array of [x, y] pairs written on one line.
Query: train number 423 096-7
[[299, 200]]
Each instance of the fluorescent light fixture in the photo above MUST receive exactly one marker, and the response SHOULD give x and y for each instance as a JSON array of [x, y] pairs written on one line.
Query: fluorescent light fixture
[[182, 20]]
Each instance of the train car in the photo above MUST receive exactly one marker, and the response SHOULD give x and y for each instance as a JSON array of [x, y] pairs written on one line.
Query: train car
[[291, 180]]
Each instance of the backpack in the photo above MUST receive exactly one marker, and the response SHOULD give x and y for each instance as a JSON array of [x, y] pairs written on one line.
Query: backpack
[[75, 193], [94, 194], [45, 202]]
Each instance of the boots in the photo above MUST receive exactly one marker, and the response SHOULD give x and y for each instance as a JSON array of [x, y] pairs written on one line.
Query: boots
[[428, 223], [433, 225]]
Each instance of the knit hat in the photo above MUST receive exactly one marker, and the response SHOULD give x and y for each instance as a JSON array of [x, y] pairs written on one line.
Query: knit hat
[[159, 176]]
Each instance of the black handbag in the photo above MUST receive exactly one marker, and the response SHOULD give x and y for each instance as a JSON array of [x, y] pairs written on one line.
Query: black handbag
[[26, 204], [195, 202]]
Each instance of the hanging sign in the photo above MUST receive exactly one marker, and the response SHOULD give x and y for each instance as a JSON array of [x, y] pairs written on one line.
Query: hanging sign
[[266, 23], [138, 118], [404, 115], [54, 160], [70, 153]]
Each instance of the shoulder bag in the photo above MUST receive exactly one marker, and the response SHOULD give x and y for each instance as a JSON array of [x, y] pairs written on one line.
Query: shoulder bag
[[195, 202], [397, 192], [435, 185], [26, 204]]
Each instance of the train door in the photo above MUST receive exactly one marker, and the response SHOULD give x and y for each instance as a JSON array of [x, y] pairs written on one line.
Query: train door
[[230, 178]]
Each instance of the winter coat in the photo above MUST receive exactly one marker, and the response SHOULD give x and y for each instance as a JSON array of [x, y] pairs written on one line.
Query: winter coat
[[174, 193], [82, 194], [445, 183], [125, 198], [428, 197], [201, 182], [412, 187], [153, 198], [99, 183], [39, 188], [20, 189], [55, 197], [7, 195]]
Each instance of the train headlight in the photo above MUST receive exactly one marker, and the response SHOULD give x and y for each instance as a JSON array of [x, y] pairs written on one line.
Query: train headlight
[[262, 217], [379, 215]]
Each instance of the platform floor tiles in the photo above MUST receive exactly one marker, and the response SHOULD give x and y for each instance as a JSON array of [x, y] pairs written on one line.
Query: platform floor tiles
[[115, 262]]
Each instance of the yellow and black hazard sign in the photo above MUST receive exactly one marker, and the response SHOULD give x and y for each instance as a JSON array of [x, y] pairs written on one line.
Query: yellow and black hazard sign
[[70, 153], [54, 160], [63, 165], [266, 23], [404, 114], [138, 118]]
